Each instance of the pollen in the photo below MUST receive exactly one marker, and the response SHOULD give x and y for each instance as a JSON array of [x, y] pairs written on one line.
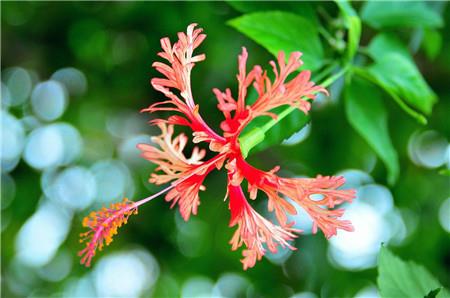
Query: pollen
[[102, 225]]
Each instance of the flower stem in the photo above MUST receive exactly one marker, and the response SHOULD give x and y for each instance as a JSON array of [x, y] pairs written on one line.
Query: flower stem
[[257, 135], [177, 182], [154, 196], [334, 77]]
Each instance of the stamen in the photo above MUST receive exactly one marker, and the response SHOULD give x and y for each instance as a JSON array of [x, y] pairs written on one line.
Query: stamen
[[103, 224]]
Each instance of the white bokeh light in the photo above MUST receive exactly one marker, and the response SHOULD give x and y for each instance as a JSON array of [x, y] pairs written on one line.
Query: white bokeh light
[[80, 287], [73, 79], [428, 149], [74, 187], [30, 122], [126, 274], [299, 136], [377, 196], [281, 256], [375, 221], [231, 285], [40, 237], [368, 292], [52, 145], [302, 219], [198, 286], [49, 100], [58, 268], [125, 123], [129, 153], [19, 82], [44, 148], [5, 95], [113, 180], [358, 249], [397, 231], [72, 140], [354, 178], [304, 295], [48, 178], [448, 157], [9, 164], [13, 140]]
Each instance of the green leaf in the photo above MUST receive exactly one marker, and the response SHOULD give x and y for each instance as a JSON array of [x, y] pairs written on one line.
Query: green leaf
[[367, 115], [401, 76], [432, 43], [303, 9], [353, 24], [385, 43], [283, 31], [416, 14], [394, 70], [364, 73], [397, 278]]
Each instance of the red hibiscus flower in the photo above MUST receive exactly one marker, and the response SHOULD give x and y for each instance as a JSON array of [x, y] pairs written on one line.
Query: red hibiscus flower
[[187, 173]]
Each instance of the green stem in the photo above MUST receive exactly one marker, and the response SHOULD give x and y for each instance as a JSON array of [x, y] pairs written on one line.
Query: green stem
[[257, 135], [326, 71], [288, 110], [334, 77]]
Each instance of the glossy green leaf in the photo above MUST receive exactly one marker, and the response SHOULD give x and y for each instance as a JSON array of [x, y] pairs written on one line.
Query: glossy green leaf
[[353, 24], [367, 115], [303, 9], [287, 32], [394, 70], [414, 14], [364, 73], [397, 278], [401, 76], [385, 43]]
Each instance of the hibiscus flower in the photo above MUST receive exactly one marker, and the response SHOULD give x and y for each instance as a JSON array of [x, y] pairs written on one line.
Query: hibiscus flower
[[186, 174]]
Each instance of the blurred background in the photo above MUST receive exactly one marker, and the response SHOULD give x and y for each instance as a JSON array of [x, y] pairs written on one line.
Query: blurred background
[[74, 77]]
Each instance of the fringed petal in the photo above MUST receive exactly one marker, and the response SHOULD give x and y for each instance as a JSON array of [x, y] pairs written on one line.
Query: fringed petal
[[254, 231], [186, 195], [171, 161], [177, 77], [317, 196], [279, 92], [304, 191]]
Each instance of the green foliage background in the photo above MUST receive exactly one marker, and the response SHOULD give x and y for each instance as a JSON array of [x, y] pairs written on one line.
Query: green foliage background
[[398, 81]]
